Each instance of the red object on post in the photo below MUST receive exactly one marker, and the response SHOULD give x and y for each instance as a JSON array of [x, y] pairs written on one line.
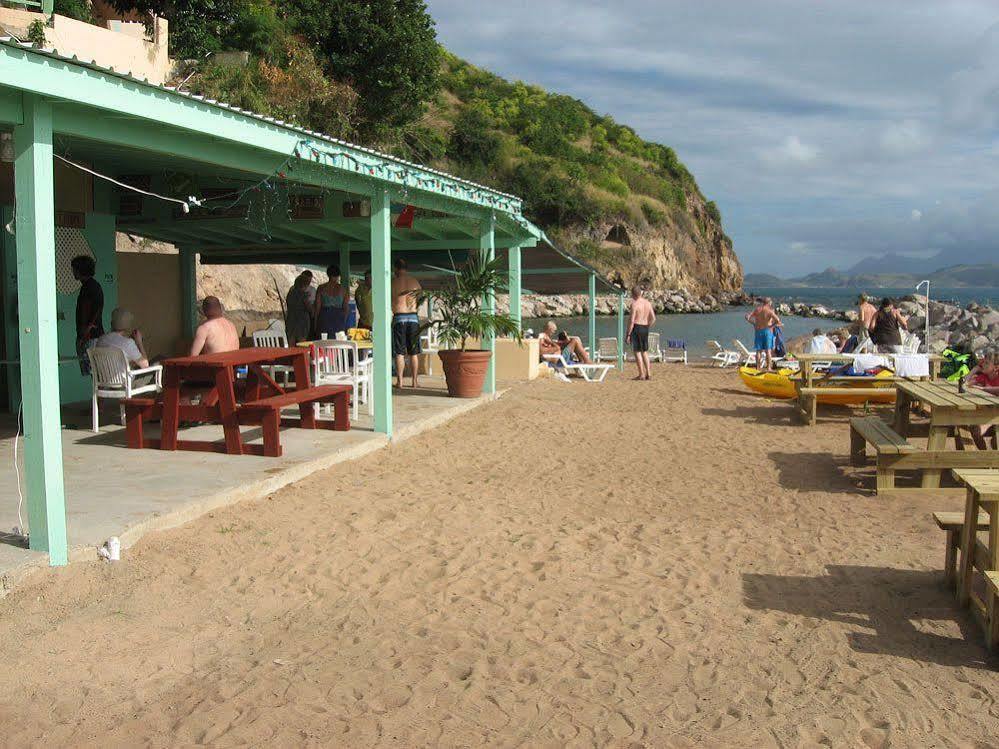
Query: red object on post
[[405, 220]]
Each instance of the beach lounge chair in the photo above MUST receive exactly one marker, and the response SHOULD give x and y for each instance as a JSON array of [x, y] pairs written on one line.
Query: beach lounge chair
[[722, 356], [606, 350], [748, 357], [676, 350], [593, 372]]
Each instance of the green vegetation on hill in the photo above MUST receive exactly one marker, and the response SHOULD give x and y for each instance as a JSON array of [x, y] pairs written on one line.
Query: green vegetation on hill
[[374, 73]]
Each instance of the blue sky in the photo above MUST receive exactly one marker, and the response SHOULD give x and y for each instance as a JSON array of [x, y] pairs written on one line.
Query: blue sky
[[826, 131]]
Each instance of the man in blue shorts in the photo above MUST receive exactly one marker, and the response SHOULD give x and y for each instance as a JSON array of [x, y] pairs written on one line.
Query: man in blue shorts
[[405, 322], [764, 319]]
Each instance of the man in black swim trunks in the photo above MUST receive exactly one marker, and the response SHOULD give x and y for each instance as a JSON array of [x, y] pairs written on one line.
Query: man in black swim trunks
[[642, 318]]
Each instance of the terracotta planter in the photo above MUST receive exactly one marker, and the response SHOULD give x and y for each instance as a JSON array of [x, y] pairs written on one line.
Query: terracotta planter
[[465, 372]]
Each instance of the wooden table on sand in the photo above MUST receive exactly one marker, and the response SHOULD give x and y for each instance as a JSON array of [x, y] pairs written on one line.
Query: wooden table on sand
[[983, 494], [807, 360], [948, 409]]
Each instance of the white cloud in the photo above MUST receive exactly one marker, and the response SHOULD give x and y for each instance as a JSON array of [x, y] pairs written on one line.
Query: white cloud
[[790, 152], [916, 214]]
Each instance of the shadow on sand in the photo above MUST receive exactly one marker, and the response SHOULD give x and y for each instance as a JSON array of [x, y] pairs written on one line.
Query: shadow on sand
[[886, 603], [813, 472], [775, 413]]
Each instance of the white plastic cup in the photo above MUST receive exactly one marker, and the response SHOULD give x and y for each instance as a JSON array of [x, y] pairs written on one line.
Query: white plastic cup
[[114, 548], [324, 336]]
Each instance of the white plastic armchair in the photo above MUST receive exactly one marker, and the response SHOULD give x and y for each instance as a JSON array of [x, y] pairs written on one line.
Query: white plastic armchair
[[655, 349], [338, 363], [274, 337], [113, 378], [430, 344]]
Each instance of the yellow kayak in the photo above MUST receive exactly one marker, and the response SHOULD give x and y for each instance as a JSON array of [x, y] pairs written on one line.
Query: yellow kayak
[[783, 384]]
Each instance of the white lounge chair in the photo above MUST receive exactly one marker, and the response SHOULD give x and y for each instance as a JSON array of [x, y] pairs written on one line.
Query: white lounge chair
[[722, 356], [606, 350], [339, 363], [593, 372], [114, 378], [748, 357], [676, 350], [274, 337]]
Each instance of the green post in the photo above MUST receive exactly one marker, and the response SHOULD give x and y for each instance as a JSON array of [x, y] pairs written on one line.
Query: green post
[[620, 331], [189, 290], [381, 289], [48, 7], [36, 304], [593, 314], [515, 284], [487, 245]]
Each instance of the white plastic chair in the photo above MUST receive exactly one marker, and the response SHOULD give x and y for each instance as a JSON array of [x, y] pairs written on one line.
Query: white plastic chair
[[911, 343], [113, 378], [722, 356], [274, 337], [338, 363], [606, 350], [430, 344], [655, 351]]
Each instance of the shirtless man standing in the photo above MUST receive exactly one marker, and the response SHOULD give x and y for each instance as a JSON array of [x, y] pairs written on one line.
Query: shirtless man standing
[[216, 334], [642, 318], [764, 318], [405, 322]]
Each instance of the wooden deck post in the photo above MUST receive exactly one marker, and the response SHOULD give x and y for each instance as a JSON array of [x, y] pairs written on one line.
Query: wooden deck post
[[592, 329], [620, 331], [189, 290], [36, 304], [514, 284], [381, 288], [487, 245]]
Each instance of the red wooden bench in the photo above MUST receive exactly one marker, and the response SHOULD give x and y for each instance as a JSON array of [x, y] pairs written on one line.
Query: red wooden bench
[[265, 412]]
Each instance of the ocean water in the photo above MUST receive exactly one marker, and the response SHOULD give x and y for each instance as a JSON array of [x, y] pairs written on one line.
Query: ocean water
[[846, 298], [695, 329]]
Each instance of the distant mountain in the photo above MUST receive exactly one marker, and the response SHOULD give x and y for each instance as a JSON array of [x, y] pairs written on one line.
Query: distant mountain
[[955, 276], [893, 264]]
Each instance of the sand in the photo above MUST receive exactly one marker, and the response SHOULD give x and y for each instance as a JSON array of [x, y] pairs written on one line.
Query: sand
[[626, 564]]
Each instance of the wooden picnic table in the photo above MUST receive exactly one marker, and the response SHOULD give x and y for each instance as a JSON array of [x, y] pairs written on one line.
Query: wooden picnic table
[[808, 376], [948, 409], [983, 494], [262, 400]]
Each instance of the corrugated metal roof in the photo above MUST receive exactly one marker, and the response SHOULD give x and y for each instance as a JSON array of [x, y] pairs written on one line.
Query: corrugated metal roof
[[9, 41]]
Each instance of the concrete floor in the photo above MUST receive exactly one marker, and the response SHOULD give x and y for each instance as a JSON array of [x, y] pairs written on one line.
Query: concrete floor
[[114, 491]]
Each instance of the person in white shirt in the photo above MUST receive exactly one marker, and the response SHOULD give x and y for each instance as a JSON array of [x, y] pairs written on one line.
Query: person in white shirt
[[820, 343], [125, 336]]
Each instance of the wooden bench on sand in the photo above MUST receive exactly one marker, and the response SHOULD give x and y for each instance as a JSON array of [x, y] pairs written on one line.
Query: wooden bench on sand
[[808, 398], [895, 452], [265, 412], [952, 523]]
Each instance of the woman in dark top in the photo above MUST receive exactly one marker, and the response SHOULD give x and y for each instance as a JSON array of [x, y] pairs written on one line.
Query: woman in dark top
[[886, 328], [89, 308]]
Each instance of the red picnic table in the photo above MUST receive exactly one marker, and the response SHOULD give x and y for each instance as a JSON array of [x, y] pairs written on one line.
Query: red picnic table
[[215, 375]]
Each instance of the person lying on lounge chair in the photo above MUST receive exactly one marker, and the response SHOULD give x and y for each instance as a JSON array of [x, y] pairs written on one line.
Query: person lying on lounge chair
[[570, 348]]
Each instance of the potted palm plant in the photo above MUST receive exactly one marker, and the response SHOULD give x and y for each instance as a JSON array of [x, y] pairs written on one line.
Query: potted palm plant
[[461, 319]]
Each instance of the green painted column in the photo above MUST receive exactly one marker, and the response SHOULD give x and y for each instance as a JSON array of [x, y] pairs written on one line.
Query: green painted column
[[189, 290], [381, 289], [593, 314], [514, 284], [48, 7], [487, 245], [36, 305], [620, 332]]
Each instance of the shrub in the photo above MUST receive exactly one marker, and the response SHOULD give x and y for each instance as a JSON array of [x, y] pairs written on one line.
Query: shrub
[[36, 33], [713, 211], [76, 9], [652, 214], [473, 140]]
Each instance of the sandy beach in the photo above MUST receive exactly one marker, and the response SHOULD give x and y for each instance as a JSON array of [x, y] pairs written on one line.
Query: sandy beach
[[628, 564]]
